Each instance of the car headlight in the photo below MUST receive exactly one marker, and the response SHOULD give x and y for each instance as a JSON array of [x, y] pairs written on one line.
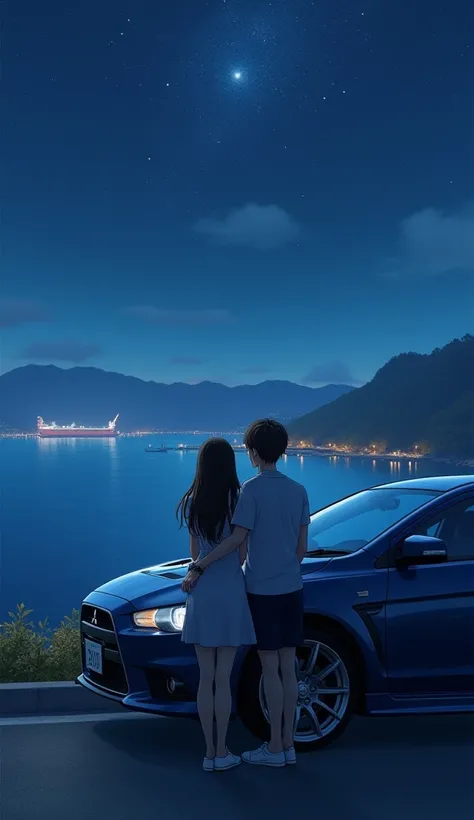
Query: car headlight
[[166, 619]]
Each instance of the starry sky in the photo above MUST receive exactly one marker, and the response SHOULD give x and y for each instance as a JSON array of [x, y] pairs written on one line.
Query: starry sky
[[235, 190]]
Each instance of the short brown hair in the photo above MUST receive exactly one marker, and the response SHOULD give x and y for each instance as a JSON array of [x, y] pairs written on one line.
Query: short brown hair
[[268, 438]]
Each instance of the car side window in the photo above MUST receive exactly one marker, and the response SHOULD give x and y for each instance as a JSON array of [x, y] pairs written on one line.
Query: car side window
[[433, 530], [455, 526]]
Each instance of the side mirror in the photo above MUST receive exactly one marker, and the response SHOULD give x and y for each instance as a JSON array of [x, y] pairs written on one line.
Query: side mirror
[[421, 550]]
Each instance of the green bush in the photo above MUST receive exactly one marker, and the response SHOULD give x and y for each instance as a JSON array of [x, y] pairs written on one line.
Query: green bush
[[34, 652]]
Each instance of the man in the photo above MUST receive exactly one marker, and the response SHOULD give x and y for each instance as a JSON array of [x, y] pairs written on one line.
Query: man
[[273, 511]]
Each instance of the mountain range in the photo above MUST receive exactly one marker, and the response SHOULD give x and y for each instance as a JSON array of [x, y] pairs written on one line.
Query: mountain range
[[423, 399], [91, 396]]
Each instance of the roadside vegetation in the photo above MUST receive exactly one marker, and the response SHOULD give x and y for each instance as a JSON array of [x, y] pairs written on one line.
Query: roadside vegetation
[[32, 651]]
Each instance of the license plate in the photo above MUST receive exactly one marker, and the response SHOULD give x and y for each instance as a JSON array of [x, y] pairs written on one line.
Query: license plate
[[93, 656]]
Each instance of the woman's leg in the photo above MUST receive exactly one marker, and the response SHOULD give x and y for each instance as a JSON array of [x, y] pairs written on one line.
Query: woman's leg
[[223, 697], [205, 697]]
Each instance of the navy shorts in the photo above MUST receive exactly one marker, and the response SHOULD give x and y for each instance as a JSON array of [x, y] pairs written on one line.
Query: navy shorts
[[277, 619]]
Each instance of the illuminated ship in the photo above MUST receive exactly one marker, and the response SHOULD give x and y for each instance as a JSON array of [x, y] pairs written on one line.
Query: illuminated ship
[[54, 430]]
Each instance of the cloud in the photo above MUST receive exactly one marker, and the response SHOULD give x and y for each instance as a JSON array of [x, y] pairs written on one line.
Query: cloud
[[66, 351], [262, 227], [335, 372], [186, 360], [158, 316], [254, 371], [433, 242], [14, 312]]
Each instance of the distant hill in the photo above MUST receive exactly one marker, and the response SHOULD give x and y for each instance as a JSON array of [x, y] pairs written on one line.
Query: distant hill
[[413, 399], [88, 395]]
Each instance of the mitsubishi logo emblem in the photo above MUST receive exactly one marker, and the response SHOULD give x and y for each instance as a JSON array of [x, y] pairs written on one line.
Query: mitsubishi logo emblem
[[94, 618]]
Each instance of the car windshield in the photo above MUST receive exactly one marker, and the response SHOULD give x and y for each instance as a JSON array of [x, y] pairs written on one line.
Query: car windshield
[[354, 522]]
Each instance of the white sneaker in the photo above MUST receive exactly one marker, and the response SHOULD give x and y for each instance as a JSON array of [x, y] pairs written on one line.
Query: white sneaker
[[290, 755], [208, 764], [262, 757], [227, 762]]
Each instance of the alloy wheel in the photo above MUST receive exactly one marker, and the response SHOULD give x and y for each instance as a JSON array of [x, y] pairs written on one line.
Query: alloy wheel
[[323, 691]]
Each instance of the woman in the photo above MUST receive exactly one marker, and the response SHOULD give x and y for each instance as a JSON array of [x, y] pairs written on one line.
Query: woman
[[218, 618]]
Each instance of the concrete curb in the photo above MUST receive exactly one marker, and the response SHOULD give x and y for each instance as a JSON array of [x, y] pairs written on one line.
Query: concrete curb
[[55, 698]]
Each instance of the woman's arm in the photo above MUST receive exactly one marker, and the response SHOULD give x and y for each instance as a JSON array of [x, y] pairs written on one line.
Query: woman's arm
[[243, 550], [193, 547]]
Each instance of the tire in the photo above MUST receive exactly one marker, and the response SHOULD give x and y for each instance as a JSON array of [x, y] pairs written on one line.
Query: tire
[[331, 649]]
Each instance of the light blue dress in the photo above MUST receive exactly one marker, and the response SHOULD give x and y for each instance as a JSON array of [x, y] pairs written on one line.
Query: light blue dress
[[217, 611]]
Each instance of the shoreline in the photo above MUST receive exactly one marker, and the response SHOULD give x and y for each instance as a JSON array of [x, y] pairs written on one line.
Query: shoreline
[[318, 452]]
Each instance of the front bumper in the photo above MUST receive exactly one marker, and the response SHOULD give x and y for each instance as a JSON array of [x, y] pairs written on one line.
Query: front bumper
[[137, 663], [143, 701]]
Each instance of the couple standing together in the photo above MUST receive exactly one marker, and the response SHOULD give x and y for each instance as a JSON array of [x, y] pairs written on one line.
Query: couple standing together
[[244, 586]]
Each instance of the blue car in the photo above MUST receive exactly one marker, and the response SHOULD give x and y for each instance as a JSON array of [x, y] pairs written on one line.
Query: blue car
[[389, 601]]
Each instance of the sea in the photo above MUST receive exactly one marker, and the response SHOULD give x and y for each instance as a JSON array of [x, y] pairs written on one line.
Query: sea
[[76, 513]]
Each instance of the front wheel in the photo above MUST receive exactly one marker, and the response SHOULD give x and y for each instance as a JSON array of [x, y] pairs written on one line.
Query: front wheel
[[327, 690]]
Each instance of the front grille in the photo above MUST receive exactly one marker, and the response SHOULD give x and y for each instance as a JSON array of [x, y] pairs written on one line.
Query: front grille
[[97, 625], [98, 617], [113, 680]]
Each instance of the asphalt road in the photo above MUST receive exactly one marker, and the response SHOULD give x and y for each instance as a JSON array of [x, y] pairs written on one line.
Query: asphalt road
[[140, 768]]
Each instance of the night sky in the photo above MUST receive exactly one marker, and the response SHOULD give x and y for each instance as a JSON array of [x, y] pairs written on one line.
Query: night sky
[[235, 190]]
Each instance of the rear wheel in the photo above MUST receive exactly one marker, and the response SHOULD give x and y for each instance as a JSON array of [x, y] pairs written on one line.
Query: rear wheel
[[327, 685]]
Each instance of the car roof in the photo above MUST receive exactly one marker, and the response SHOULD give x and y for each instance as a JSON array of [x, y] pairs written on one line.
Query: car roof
[[437, 483]]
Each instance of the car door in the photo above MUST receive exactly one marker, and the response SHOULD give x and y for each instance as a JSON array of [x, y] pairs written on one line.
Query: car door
[[430, 611]]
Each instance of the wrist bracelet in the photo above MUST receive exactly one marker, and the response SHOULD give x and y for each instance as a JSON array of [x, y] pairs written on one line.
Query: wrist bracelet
[[195, 568]]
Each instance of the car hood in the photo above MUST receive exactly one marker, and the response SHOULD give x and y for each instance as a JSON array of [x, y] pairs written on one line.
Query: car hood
[[161, 585], [154, 586]]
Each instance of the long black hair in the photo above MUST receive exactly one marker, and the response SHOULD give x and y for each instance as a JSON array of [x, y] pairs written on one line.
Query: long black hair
[[209, 503]]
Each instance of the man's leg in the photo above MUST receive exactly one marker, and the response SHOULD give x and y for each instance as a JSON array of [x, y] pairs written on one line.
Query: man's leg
[[265, 610], [273, 689], [293, 636], [290, 694]]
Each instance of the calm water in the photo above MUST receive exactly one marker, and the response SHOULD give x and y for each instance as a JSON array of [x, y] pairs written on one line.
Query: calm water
[[76, 513]]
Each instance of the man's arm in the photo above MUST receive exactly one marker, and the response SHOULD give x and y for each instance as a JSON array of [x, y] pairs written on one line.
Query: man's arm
[[243, 550], [226, 546], [302, 547]]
